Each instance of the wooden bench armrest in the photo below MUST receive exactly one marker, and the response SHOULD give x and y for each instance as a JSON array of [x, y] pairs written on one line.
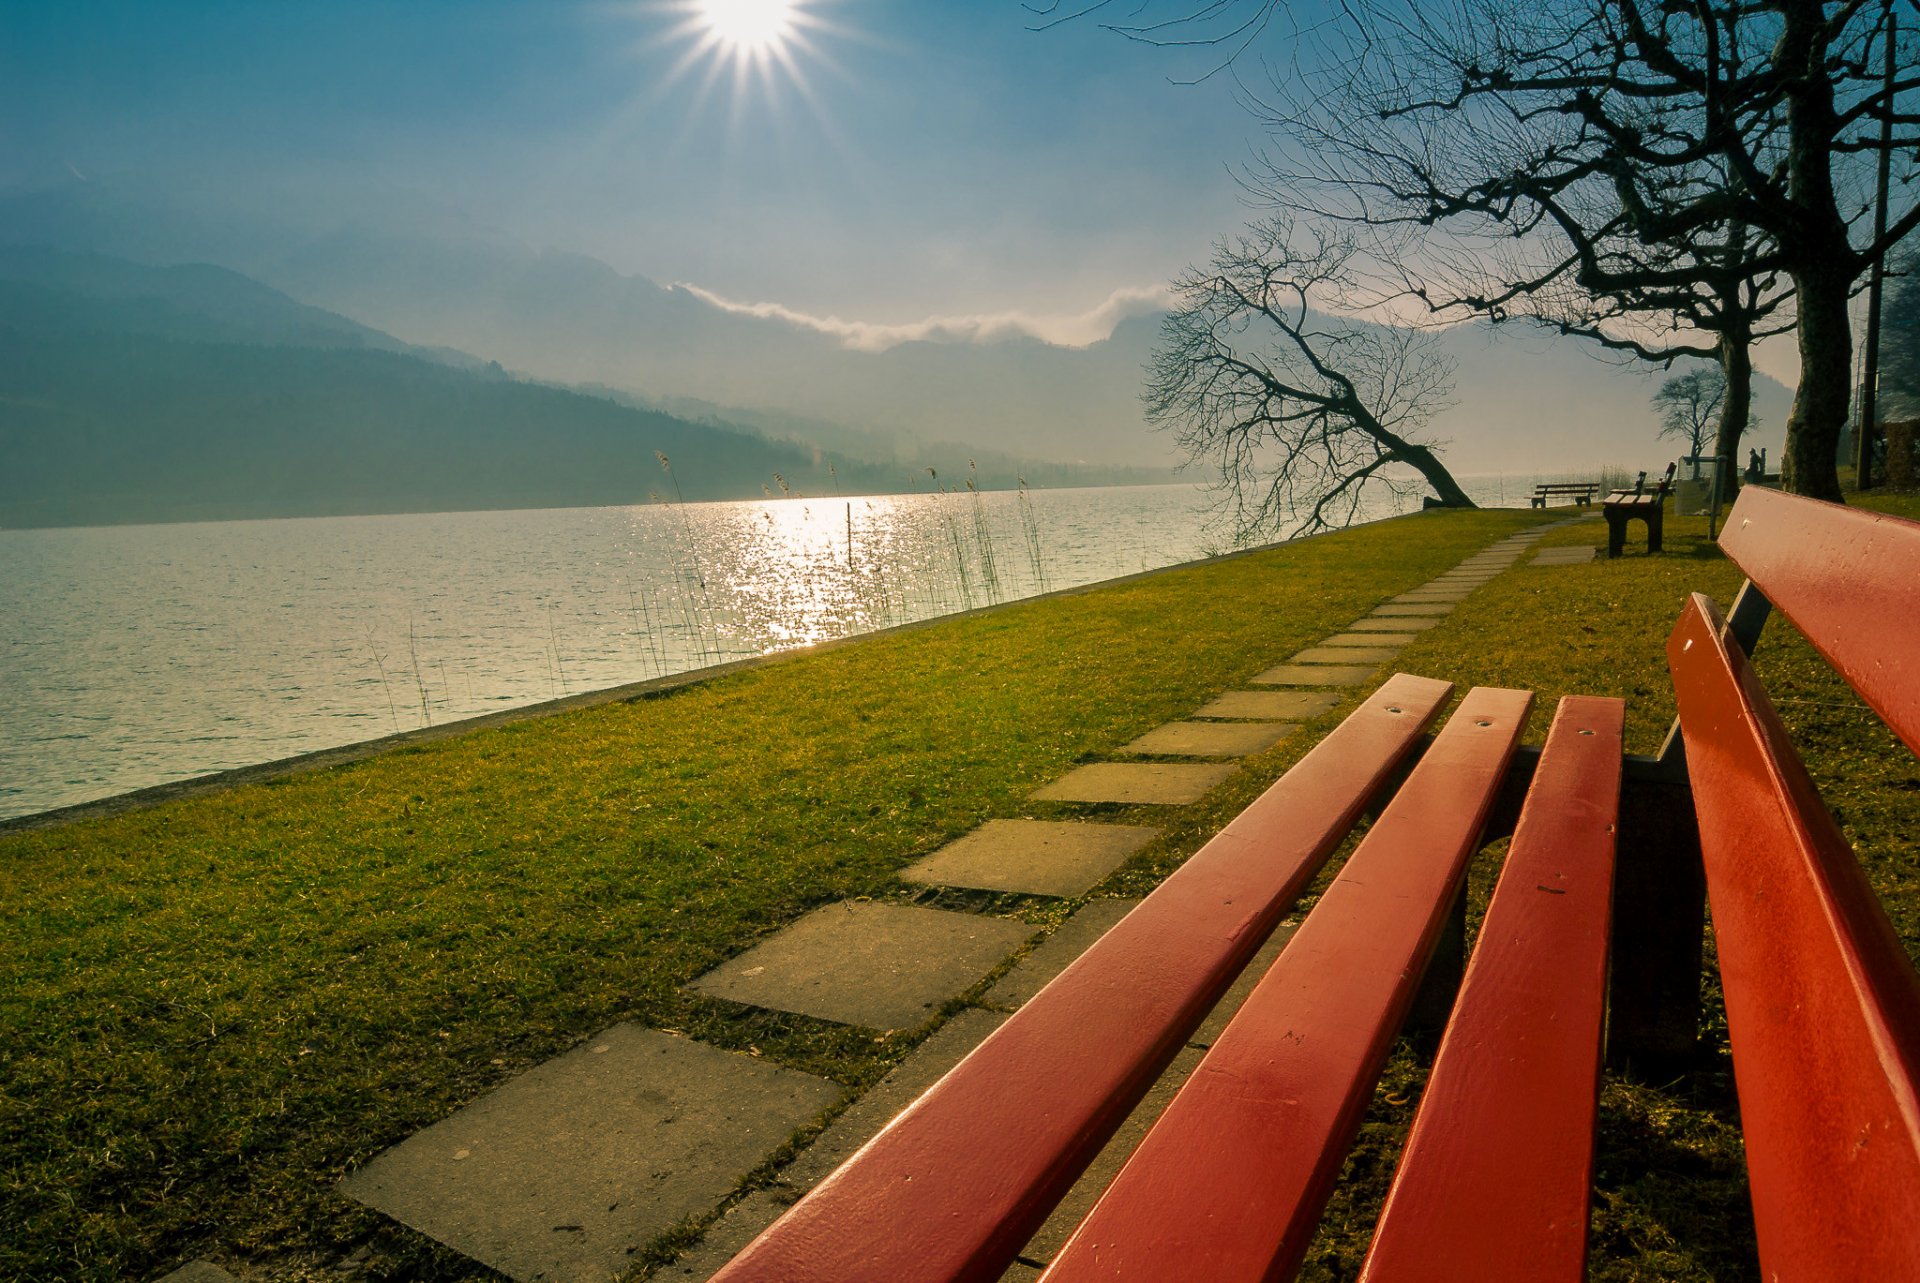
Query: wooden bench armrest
[[1229, 1184], [1850, 581], [1823, 1005], [953, 1188], [1496, 1177]]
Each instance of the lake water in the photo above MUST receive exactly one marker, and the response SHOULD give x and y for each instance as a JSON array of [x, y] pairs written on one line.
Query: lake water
[[134, 655]]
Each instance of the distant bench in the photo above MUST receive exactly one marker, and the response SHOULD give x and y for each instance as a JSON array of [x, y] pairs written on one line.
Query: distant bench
[[1822, 1004], [1650, 507], [1579, 491]]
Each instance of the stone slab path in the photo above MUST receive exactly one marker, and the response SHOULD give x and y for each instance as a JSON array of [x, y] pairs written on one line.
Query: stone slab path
[[1280, 706], [1209, 739], [1376, 655], [881, 966], [1320, 674], [1400, 625], [1367, 640], [562, 1173], [1039, 857], [198, 1272], [1148, 783], [1574, 556]]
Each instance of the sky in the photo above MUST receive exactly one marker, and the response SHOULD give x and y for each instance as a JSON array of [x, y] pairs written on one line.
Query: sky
[[903, 165]]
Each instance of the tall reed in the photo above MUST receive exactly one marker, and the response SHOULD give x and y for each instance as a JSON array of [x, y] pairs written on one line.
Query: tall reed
[[379, 662], [420, 683]]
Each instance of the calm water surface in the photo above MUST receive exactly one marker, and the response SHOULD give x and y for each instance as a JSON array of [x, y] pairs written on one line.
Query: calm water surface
[[133, 655]]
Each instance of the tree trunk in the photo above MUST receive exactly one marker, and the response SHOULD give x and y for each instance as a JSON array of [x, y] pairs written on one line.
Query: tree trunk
[[1444, 486], [1826, 262], [1826, 371], [1736, 362]]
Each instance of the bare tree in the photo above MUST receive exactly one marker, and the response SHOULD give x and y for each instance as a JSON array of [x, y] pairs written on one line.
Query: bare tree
[[1300, 412], [1689, 405], [1462, 128]]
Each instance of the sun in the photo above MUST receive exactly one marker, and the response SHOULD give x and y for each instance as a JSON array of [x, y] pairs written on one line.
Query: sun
[[749, 26], [759, 52]]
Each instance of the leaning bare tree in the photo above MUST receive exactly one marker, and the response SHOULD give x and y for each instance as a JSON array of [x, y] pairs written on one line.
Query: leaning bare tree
[[1298, 411]]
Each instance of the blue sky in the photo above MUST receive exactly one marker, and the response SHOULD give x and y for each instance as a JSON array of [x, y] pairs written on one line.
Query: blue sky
[[944, 159]]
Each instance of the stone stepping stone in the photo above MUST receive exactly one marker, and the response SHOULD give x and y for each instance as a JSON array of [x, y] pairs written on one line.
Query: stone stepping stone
[[1209, 739], [1424, 609], [198, 1272], [1319, 674], [1052, 955], [1405, 623], [1152, 783], [1376, 654], [1369, 640], [562, 1173], [1276, 706], [1446, 596], [1036, 857], [880, 966], [1563, 556]]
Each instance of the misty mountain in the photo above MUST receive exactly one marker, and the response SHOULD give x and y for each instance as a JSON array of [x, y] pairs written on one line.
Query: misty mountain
[[130, 393], [1524, 400]]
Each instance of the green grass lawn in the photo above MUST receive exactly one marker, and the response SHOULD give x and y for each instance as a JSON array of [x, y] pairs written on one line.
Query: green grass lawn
[[212, 1009]]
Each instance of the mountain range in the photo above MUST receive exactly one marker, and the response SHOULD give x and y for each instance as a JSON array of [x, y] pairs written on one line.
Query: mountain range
[[132, 393], [434, 299]]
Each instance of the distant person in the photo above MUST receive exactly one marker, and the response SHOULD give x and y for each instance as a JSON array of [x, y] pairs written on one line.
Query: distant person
[[1754, 465]]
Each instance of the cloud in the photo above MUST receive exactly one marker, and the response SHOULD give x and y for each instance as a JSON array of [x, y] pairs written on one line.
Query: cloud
[[1075, 330]]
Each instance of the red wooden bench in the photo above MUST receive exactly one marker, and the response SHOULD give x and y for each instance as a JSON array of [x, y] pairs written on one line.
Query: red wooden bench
[[1229, 1184]]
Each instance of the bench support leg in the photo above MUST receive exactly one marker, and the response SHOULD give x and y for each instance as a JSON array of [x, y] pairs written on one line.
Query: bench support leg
[[1659, 920]]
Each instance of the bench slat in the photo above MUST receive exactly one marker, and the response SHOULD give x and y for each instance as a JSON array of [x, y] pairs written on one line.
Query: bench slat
[[1230, 1182], [1495, 1180], [1823, 1006], [1850, 581], [955, 1186]]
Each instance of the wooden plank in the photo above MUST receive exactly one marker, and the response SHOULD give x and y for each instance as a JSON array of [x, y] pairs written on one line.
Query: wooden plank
[[1494, 1183], [1823, 1006], [956, 1185], [1229, 1184], [1850, 581]]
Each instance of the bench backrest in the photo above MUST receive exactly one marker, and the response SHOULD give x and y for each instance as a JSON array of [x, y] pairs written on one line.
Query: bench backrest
[[1850, 581], [1823, 1004]]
